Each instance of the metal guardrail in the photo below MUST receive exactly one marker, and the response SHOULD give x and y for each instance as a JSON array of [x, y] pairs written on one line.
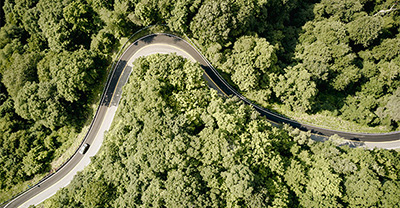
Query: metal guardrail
[[272, 116], [138, 33], [152, 29], [293, 123]]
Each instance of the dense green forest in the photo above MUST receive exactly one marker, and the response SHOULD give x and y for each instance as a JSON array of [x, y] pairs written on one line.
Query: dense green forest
[[339, 58], [317, 57], [49, 79], [176, 143]]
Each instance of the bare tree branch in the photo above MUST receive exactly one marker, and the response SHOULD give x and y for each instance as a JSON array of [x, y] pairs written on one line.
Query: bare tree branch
[[388, 10]]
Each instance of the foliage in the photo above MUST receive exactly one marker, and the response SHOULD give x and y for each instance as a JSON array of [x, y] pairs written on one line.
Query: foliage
[[220, 21], [250, 62], [178, 144], [295, 88], [340, 44], [337, 50], [48, 79], [364, 30], [313, 56]]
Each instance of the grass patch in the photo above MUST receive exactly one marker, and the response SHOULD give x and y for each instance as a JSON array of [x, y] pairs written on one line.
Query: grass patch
[[18, 188], [326, 120], [61, 155], [70, 143]]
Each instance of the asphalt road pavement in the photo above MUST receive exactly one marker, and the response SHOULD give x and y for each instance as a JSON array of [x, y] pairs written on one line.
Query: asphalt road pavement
[[165, 43]]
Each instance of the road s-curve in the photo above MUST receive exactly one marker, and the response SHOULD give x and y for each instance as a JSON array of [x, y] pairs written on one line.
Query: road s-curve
[[216, 81], [154, 43]]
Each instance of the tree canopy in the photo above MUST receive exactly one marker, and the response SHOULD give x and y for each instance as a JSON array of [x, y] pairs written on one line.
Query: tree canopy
[[178, 144], [326, 58], [49, 75]]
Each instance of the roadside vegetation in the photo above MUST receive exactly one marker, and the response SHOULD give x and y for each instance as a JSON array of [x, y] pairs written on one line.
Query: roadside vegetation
[[176, 143], [318, 58], [49, 80], [328, 58]]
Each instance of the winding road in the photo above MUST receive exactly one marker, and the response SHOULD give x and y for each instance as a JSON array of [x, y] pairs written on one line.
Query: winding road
[[165, 43]]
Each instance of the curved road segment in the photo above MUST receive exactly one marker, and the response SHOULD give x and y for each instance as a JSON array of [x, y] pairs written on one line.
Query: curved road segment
[[165, 43]]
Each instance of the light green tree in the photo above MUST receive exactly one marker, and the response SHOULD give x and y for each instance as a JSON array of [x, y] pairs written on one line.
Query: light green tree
[[295, 88], [251, 60], [365, 29], [322, 188], [33, 162], [362, 189]]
